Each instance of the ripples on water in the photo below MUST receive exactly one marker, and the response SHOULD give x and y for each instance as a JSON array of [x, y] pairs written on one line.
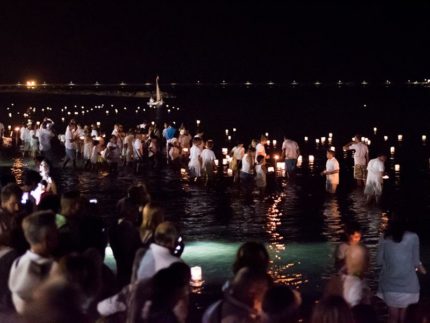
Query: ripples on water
[[299, 223]]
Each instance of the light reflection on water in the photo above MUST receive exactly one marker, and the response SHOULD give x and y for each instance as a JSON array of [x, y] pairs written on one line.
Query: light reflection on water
[[298, 222]]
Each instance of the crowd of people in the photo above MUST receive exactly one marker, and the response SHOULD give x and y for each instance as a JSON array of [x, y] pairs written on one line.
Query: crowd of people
[[52, 268], [52, 244]]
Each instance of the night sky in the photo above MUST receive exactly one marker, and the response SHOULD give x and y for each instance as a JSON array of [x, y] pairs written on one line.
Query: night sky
[[88, 41]]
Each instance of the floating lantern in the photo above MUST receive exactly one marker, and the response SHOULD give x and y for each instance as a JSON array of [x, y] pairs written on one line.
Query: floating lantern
[[333, 148], [317, 141], [400, 137], [9, 127], [271, 169], [98, 123], [183, 171], [184, 150], [385, 177], [224, 151], [375, 130], [234, 129], [268, 142], [392, 149], [229, 172], [423, 137], [196, 276], [225, 161], [216, 162], [274, 142], [311, 159], [385, 138], [267, 134], [229, 138], [330, 135], [306, 139], [276, 157], [280, 165], [330, 140], [226, 132], [397, 167], [323, 140], [368, 142], [198, 122]]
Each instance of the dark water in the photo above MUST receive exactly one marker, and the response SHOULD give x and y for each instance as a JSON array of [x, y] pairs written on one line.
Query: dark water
[[299, 223]]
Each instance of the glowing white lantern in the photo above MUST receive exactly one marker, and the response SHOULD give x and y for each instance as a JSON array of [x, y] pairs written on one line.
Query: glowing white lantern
[[226, 132], [400, 137], [368, 142], [9, 127], [234, 129], [183, 171], [224, 161], [375, 130], [216, 162], [423, 137], [397, 167], [196, 273], [274, 142], [385, 138], [268, 142], [229, 138], [267, 134], [306, 139], [323, 140], [270, 169], [185, 150], [98, 123], [229, 172], [329, 140], [330, 135], [276, 157], [317, 141], [333, 148], [224, 151], [280, 165], [311, 159], [392, 149]]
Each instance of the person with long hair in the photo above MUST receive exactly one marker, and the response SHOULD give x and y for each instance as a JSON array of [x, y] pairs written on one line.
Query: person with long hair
[[399, 256]]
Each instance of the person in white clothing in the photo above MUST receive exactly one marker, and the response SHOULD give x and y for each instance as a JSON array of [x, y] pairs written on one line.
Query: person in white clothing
[[237, 154], [374, 181], [260, 149], [361, 158], [159, 254], [208, 161], [31, 270], [194, 165], [260, 175], [331, 172], [71, 143], [290, 153]]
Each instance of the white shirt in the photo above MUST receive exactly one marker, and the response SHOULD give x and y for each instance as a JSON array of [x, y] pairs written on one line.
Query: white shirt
[[94, 133], [156, 258], [291, 149], [361, 151], [26, 274], [69, 136], [331, 165], [260, 150], [238, 152], [45, 136], [375, 168], [195, 152], [208, 156]]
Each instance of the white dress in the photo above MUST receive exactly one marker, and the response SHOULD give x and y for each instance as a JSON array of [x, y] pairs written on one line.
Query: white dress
[[260, 176], [374, 180], [194, 165]]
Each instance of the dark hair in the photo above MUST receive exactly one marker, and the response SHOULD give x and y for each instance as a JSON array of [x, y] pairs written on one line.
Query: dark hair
[[395, 229], [253, 255], [351, 228], [31, 177], [332, 309], [50, 202], [280, 304], [260, 158], [9, 190]]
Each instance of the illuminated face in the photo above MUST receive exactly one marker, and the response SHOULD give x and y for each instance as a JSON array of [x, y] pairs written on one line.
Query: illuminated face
[[355, 237], [12, 205]]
